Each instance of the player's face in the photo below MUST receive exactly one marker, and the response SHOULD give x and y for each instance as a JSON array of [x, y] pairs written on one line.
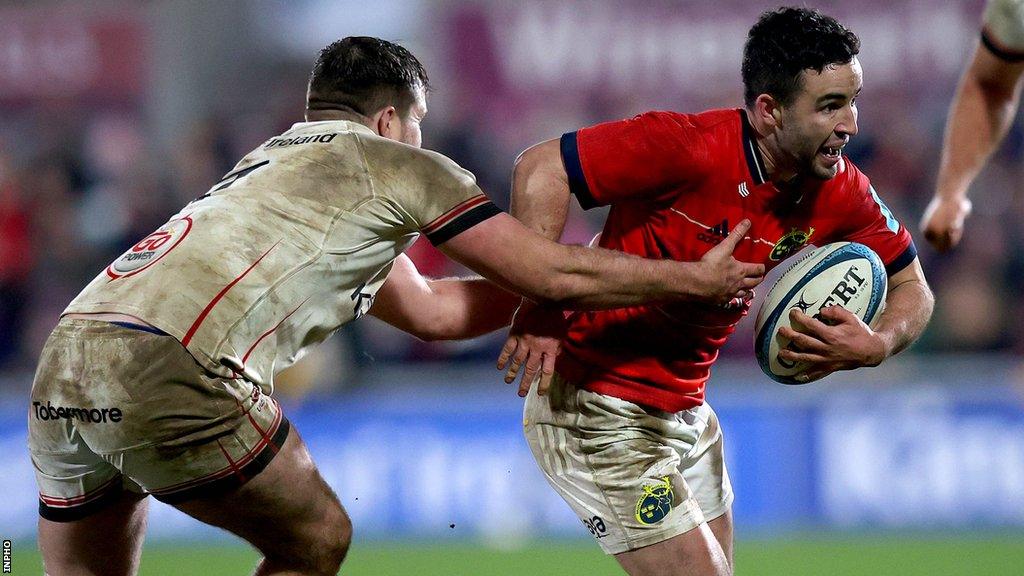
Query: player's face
[[819, 122], [409, 131]]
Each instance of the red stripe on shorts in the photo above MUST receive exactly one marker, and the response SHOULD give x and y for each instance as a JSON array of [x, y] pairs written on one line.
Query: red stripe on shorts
[[264, 440], [56, 502]]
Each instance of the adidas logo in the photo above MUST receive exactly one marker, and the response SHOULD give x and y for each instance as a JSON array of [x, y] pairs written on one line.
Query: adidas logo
[[742, 189], [715, 233], [720, 229]]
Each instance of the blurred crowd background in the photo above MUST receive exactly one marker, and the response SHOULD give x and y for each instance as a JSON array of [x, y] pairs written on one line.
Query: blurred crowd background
[[113, 115]]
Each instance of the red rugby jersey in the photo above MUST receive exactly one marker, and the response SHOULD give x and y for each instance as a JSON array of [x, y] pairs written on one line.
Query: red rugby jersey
[[676, 184]]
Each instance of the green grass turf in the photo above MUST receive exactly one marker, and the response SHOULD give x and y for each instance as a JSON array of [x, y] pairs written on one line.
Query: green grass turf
[[834, 556]]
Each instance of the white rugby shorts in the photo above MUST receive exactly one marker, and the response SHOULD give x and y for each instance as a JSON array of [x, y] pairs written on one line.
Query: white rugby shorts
[[635, 476]]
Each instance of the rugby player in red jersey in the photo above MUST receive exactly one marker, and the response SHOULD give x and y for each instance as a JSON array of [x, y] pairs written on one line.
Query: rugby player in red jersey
[[618, 423]]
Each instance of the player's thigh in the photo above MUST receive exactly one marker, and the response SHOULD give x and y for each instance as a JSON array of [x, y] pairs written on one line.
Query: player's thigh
[[92, 518], [693, 553], [218, 447], [707, 477], [107, 541], [721, 527], [615, 465], [284, 510], [707, 549]]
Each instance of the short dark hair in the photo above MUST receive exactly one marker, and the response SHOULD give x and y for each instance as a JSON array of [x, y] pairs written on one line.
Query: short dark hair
[[786, 41], [363, 74]]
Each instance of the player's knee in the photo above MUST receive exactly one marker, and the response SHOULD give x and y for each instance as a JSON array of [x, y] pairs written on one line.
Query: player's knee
[[319, 548], [340, 537], [723, 567], [332, 540]]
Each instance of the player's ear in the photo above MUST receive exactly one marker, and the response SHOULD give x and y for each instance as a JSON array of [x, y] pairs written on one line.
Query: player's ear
[[383, 122], [768, 111]]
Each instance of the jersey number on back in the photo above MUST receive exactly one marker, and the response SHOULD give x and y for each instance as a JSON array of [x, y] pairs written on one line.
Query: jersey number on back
[[362, 301], [232, 177]]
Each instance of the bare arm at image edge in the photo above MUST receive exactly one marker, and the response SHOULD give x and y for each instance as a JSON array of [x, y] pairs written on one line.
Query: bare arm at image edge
[[982, 112]]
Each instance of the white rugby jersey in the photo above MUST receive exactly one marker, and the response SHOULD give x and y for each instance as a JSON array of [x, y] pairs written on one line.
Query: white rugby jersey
[[1003, 29], [294, 242]]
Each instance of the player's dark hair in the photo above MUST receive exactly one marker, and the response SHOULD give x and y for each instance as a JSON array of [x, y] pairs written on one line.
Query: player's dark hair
[[786, 41], [362, 74]]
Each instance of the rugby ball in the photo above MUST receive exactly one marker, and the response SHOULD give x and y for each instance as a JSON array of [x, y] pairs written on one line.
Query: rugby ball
[[847, 274]]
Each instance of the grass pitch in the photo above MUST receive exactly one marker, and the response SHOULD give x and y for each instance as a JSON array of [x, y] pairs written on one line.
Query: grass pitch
[[833, 556]]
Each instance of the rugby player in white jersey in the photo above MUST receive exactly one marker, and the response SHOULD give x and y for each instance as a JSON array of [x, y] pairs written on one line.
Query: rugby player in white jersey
[[981, 114], [157, 379]]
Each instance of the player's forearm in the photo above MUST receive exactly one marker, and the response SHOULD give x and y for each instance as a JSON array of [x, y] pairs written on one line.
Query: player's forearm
[[468, 307], [981, 115], [573, 277], [441, 309], [540, 190], [503, 250], [908, 308], [589, 278]]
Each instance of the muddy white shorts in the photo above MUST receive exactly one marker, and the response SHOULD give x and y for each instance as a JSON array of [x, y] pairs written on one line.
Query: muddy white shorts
[[635, 476], [118, 408]]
